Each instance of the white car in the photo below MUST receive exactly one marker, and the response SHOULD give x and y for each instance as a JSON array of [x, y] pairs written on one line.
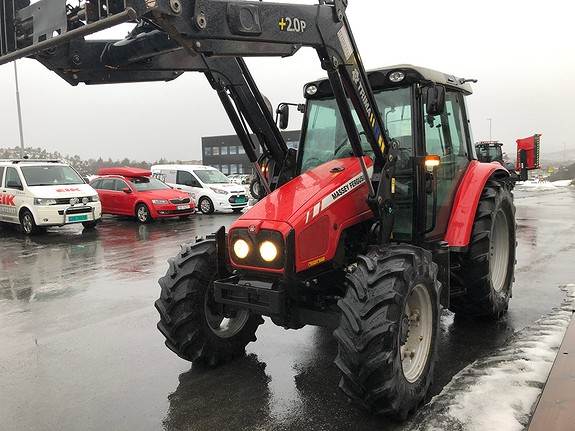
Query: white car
[[39, 193], [211, 189]]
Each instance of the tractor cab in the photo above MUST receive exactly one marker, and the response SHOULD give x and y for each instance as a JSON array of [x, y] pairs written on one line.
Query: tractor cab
[[423, 195], [489, 151]]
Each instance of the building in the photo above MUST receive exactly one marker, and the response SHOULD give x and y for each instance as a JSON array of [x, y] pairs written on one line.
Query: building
[[227, 154]]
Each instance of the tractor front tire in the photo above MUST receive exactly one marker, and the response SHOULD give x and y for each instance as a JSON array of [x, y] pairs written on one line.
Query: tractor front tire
[[387, 337], [484, 274], [196, 328]]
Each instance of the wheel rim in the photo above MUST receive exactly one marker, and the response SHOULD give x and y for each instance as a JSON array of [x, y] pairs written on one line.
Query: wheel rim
[[417, 331], [499, 251], [222, 326], [27, 223], [205, 206], [142, 213]]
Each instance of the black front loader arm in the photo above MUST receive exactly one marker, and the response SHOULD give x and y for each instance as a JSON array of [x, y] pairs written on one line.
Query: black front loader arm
[[213, 28], [138, 60]]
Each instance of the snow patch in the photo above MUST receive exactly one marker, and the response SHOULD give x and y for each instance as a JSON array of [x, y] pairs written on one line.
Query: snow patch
[[500, 391]]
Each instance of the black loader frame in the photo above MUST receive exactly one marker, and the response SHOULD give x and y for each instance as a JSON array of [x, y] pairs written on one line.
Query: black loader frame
[[176, 36]]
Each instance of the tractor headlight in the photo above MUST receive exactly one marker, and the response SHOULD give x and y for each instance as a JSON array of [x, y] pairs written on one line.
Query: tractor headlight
[[241, 249], [263, 249], [268, 251]]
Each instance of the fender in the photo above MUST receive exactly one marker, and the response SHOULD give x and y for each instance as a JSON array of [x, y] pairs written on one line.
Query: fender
[[466, 201]]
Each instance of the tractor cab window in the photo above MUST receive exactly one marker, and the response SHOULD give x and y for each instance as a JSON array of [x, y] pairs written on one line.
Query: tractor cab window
[[445, 136], [326, 139]]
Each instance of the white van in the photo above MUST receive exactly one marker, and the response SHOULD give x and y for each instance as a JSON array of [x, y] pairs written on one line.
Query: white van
[[211, 189], [39, 193]]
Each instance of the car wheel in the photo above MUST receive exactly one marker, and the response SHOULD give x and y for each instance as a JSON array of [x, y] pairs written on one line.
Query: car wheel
[[27, 223], [143, 213], [206, 205]]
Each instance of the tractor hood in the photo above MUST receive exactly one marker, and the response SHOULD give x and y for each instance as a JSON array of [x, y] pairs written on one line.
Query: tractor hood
[[301, 195]]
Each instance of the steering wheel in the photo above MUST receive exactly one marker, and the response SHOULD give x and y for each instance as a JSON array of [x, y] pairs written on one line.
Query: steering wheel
[[344, 143]]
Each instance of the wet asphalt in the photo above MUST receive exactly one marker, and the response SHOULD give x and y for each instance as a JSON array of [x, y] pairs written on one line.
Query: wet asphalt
[[79, 349]]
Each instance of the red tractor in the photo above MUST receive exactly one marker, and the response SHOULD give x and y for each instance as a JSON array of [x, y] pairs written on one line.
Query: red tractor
[[381, 218]]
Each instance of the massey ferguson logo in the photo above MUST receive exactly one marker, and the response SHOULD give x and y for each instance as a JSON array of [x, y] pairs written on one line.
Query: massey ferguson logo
[[7, 200], [74, 189], [362, 93]]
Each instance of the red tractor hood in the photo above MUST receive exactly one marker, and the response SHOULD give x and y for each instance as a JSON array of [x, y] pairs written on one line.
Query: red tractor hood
[[292, 200]]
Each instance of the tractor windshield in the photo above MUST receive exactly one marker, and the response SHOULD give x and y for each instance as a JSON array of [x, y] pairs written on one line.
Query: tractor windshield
[[325, 136], [326, 139]]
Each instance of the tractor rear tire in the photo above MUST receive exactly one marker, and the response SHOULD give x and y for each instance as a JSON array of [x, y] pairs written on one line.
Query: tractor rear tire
[[194, 325], [485, 273], [387, 343]]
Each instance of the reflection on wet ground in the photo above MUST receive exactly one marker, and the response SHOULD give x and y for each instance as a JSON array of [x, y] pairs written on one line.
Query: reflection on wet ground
[[79, 343]]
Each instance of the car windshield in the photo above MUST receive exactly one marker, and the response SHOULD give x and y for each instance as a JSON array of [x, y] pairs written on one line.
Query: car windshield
[[50, 175], [325, 135], [211, 176], [146, 183]]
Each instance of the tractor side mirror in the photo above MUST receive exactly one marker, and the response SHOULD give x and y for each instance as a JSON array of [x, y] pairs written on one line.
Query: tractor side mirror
[[435, 100], [127, 190], [283, 115]]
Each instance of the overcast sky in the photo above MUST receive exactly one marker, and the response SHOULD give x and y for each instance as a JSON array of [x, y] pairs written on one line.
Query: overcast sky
[[522, 52]]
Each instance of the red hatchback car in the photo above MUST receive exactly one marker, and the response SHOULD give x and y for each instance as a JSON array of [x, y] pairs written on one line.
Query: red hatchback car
[[134, 192]]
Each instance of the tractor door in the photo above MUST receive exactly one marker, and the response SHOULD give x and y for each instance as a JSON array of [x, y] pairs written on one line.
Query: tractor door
[[446, 135]]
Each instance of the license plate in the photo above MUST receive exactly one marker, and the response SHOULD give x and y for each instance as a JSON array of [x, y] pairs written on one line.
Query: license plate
[[183, 207], [75, 218], [241, 200]]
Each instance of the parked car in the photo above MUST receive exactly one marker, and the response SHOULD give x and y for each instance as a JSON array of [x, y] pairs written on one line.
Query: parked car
[[134, 192], [212, 190], [39, 193], [242, 179]]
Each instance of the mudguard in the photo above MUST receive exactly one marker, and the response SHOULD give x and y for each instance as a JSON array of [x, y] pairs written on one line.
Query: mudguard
[[466, 200]]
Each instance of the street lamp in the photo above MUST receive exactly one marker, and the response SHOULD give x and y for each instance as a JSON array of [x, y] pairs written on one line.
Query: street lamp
[[19, 110]]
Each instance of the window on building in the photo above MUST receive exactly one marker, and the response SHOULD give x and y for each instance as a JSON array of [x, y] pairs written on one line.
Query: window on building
[[225, 169], [224, 151], [241, 150], [233, 168], [207, 151], [215, 151], [233, 149]]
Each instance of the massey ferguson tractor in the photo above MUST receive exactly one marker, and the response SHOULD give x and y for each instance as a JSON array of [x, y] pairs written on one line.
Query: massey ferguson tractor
[[381, 218]]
